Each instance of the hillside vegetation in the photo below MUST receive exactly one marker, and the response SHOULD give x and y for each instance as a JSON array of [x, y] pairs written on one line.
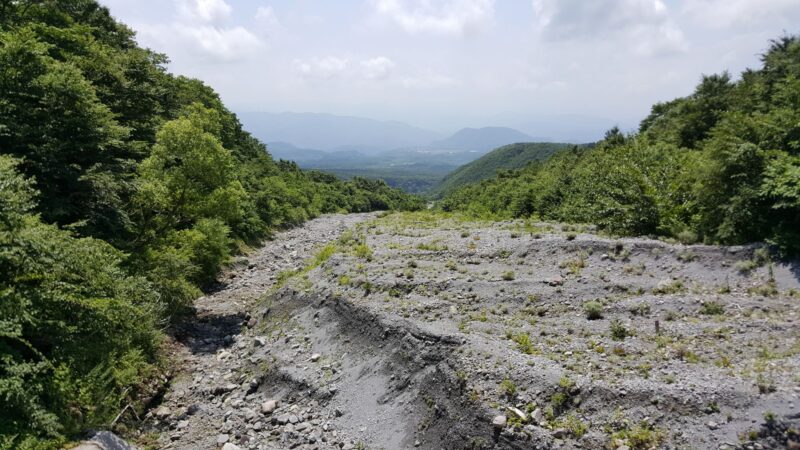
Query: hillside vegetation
[[514, 156], [721, 165], [123, 190]]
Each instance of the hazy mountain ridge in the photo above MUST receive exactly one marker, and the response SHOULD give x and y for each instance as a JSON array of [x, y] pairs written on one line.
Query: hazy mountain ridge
[[414, 168], [482, 140], [331, 132]]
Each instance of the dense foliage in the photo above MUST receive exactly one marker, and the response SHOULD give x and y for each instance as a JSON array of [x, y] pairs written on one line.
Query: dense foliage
[[513, 156], [123, 190], [721, 165]]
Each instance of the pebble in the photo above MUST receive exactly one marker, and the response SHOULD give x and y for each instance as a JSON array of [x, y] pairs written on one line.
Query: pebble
[[560, 433], [520, 415], [499, 421], [269, 406], [162, 412], [229, 446], [222, 438]]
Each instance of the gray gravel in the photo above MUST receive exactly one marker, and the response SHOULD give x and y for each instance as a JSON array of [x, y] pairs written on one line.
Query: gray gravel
[[429, 332]]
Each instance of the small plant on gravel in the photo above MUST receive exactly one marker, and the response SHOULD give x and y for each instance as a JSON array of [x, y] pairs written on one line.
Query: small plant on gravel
[[344, 280], [673, 287], [687, 256], [433, 246], [413, 264], [573, 425], [323, 255], [524, 343], [768, 289], [642, 310], [574, 266], [746, 266], [683, 353], [571, 236], [508, 276], [465, 234], [508, 388], [711, 308], [642, 436], [618, 330], [593, 310]]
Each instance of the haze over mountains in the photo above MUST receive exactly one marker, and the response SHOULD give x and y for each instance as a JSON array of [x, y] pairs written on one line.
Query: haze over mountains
[[331, 132], [405, 156]]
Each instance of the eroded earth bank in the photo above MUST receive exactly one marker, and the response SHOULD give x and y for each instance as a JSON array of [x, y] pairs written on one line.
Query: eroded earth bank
[[421, 330]]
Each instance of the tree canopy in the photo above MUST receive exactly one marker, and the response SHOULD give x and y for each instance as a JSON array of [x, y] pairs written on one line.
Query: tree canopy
[[123, 191], [722, 164]]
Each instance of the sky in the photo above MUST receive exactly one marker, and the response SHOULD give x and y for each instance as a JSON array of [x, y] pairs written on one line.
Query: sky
[[444, 64]]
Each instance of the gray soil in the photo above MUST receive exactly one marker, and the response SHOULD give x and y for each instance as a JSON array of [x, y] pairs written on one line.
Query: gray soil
[[417, 330]]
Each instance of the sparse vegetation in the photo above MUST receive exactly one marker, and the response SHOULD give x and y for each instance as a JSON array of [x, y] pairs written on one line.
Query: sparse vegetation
[[712, 308], [593, 310], [524, 344], [508, 388], [642, 436], [618, 330]]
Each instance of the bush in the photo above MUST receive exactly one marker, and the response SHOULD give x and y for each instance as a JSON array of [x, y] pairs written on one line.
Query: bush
[[618, 330], [687, 237], [508, 276], [593, 310], [712, 308], [79, 334], [524, 343]]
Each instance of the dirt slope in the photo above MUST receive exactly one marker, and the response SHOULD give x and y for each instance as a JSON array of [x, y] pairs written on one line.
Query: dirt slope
[[418, 330]]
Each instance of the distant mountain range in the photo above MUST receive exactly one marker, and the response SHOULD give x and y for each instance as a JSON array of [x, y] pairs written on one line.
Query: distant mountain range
[[482, 140], [330, 132], [405, 156]]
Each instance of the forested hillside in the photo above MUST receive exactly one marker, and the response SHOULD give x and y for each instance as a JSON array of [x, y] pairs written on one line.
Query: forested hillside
[[513, 156], [721, 165], [123, 191]]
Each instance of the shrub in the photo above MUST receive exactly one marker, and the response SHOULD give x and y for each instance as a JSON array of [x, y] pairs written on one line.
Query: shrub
[[593, 310], [711, 308], [363, 251], [508, 276], [618, 330], [508, 388], [524, 343], [687, 237]]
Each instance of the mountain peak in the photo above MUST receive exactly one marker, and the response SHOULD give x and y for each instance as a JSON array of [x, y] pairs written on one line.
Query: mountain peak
[[482, 139]]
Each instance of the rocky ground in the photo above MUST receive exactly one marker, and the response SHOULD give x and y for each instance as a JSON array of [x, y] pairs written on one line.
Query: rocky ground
[[421, 330]]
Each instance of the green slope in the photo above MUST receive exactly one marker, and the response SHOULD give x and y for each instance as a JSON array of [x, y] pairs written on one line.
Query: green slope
[[513, 156]]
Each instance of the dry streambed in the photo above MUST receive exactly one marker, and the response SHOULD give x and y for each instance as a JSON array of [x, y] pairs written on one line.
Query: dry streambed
[[420, 330]]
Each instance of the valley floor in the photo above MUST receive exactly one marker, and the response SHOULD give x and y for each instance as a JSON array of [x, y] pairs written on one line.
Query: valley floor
[[422, 330]]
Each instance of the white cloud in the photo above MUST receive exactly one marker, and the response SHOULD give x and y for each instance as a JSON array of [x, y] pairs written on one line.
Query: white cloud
[[377, 68], [266, 16], [448, 17], [428, 79], [219, 44], [201, 28], [644, 26], [205, 11], [324, 68], [730, 13]]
